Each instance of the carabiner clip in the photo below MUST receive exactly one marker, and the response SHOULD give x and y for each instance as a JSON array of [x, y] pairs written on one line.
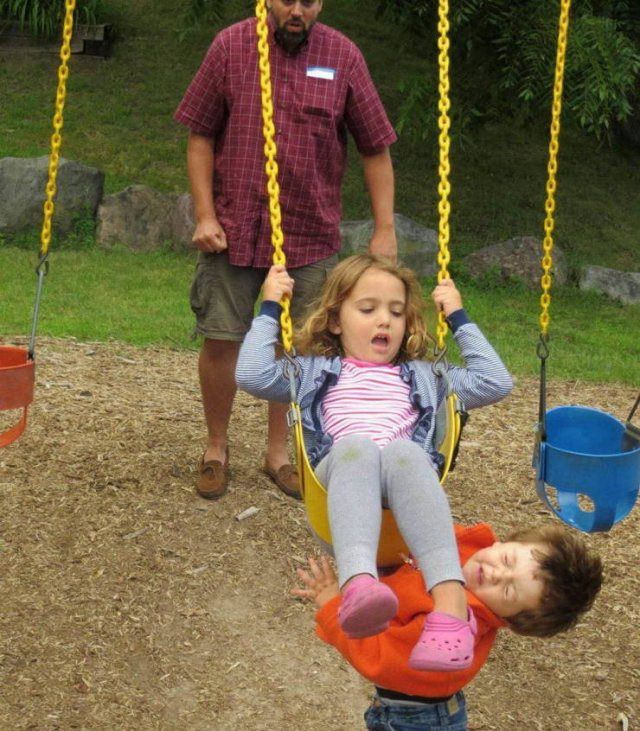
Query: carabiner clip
[[291, 369], [439, 365]]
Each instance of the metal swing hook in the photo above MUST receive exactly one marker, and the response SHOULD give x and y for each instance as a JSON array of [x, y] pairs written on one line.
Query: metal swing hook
[[631, 437], [439, 364], [291, 369], [543, 353], [439, 367], [42, 269]]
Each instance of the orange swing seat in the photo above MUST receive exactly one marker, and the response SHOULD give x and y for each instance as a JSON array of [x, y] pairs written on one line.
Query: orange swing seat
[[17, 365], [17, 377]]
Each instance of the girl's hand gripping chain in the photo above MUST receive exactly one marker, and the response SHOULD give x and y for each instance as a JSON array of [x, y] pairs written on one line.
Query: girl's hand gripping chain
[[447, 297], [277, 284]]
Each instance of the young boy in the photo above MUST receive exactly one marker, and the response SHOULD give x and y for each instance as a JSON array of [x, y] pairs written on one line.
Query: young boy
[[538, 583]]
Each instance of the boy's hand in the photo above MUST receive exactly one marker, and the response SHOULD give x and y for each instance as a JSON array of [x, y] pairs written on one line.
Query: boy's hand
[[447, 297], [320, 582], [277, 284]]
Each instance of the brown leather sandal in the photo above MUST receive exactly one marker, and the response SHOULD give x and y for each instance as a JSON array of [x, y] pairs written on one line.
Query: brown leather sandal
[[286, 478], [213, 477]]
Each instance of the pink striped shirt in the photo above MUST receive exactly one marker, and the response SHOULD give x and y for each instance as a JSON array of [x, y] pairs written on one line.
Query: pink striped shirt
[[371, 400]]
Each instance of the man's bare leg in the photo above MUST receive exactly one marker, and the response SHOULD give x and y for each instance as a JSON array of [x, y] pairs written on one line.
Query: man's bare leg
[[217, 367], [277, 451], [277, 462]]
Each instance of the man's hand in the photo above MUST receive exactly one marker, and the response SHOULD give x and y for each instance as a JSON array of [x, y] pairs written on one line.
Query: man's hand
[[210, 236], [383, 243], [379, 181], [447, 297], [320, 582], [277, 284]]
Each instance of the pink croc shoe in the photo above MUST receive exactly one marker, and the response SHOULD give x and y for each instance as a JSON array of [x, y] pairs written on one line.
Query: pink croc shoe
[[446, 643], [367, 607]]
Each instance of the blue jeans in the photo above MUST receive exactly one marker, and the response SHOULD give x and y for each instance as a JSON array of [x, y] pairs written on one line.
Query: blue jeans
[[389, 715]]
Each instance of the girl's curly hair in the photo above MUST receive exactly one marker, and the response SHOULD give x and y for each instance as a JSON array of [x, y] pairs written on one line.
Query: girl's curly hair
[[314, 336]]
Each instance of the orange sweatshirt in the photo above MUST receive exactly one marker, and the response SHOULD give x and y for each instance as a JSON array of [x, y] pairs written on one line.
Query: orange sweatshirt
[[384, 658]]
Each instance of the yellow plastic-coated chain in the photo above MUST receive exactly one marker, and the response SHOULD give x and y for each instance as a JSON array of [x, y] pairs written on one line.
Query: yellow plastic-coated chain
[[271, 165], [58, 120], [444, 168], [552, 168]]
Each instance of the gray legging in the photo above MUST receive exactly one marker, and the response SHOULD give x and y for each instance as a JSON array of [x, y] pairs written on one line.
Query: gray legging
[[360, 478]]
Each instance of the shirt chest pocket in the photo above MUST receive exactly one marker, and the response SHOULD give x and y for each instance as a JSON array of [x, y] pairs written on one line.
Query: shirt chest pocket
[[318, 121], [318, 107]]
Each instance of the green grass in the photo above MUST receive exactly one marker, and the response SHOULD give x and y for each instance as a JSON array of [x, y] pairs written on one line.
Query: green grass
[[142, 298], [118, 117], [98, 295], [591, 338]]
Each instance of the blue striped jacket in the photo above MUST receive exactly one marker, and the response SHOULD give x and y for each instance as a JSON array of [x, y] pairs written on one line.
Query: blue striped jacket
[[484, 380]]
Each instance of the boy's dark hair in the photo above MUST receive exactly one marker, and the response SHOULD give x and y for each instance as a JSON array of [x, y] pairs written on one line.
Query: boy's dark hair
[[571, 575]]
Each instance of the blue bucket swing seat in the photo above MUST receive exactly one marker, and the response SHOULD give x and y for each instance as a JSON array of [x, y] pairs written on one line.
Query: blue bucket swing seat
[[587, 462], [588, 467]]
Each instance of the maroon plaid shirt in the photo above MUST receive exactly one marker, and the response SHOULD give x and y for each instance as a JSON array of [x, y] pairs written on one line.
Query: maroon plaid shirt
[[319, 93]]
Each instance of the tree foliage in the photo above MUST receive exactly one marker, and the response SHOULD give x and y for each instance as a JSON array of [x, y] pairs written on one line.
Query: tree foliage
[[202, 11], [208, 12], [503, 59]]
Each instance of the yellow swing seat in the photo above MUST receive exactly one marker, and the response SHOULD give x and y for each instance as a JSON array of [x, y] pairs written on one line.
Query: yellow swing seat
[[391, 545]]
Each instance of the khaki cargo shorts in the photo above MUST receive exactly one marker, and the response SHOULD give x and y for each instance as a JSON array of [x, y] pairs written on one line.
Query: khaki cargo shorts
[[223, 296]]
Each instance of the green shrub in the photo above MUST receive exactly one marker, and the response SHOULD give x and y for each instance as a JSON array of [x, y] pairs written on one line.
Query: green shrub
[[43, 18], [81, 236], [503, 59]]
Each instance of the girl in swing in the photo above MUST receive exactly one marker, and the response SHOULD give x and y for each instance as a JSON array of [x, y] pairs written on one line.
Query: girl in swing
[[368, 400]]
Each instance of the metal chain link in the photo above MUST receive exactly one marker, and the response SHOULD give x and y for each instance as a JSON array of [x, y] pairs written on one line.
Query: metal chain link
[[58, 121], [271, 165], [444, 168], [42, 268], [552, 168]]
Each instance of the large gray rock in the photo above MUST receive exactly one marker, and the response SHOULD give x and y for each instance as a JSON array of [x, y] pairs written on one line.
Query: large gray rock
[[417, 245], [22, 193], [183, 221], [143, 219], [517, 258], [621, 286]]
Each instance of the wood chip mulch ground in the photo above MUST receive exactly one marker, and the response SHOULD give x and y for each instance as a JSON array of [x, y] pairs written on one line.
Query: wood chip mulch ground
[[127, 602]]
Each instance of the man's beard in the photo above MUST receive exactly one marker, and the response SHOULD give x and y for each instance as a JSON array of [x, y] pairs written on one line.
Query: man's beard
[[291, 42]]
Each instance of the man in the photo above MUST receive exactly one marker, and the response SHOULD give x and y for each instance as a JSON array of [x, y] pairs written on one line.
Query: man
[[321, 88]]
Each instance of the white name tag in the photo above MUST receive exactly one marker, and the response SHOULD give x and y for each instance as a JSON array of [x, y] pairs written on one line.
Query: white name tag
[[320, 72]]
